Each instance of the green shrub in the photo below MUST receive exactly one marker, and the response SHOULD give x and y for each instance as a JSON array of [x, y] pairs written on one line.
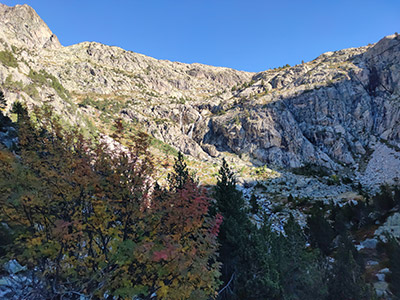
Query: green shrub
[[31, 90], [383, 201], [13, 85], [44, 78], [163, 147], [334, 180], [310, 169], [86, 102], [8, 59]]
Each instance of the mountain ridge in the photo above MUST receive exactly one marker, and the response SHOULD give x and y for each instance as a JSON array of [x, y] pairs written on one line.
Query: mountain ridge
[[332, 111]]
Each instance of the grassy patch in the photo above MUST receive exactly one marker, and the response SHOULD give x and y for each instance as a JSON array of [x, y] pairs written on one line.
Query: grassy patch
[[167, 149], [8, 59], [43, 78], [31, 90], [112, 106], [13, 85], [89, 130]]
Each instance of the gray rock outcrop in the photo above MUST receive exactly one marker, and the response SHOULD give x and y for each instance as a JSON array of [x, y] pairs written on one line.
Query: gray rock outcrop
[[22, 26], [334, 111]]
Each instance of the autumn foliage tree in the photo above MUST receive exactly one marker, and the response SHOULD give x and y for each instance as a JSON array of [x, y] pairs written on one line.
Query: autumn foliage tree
[[91, 223]]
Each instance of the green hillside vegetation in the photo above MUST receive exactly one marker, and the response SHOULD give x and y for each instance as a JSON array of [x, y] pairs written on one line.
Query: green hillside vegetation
[[8, 59]]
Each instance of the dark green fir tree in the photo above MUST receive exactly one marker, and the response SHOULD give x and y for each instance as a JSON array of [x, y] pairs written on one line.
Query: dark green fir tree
[[3, 102], [180, 176], [346, 279]]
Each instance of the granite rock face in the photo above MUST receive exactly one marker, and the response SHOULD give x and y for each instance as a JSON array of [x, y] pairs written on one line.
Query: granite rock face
[[331, 111], [334, 111], [22, 26]]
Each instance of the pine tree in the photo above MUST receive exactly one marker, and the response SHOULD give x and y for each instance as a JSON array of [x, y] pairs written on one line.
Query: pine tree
[[261, 263], [230, 201], [255, 207], [248, 270], [4, 120], [235, 227], [383, 201], [396, 196], [346, 281], [180, 176], [320, 231], [302, 272], [258, 276], [3, 102], [394, 261], [19, 109]]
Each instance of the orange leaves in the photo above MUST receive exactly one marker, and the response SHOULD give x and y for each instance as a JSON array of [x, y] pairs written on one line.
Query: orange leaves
[[94, 222], [186, 239]]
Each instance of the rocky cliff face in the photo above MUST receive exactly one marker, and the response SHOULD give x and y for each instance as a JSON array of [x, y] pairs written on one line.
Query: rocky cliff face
[[22, 26], [334, 111], [331, 111]]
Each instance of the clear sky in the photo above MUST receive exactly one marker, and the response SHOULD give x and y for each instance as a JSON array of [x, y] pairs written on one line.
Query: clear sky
[[252, 35]]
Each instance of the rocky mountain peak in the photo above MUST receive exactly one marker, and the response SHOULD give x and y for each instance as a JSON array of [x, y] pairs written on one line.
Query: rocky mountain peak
[[340, 110], [385, 45], [21, 25]]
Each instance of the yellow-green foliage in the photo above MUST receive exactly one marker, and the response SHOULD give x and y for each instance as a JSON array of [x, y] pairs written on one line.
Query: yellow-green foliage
[[167, 149], [90, 222], [31, 90], [43, 78], [8, 59], [13, 85]]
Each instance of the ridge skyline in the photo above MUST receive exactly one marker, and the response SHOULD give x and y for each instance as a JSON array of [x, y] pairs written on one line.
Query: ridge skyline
[[260, 43]]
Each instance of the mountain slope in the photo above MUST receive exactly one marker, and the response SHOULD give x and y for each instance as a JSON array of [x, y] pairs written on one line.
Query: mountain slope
[[334, 111]]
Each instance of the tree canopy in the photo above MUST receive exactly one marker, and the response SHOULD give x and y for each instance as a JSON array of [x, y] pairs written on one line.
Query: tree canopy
[[89, 221]]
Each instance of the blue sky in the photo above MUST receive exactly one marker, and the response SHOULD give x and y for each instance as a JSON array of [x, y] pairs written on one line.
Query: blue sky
[[245, 35]]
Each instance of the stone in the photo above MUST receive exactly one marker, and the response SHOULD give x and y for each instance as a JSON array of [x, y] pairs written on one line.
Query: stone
[[380, 276], [391, 227], [210, 149], [381, 288], [22, 24], [13, 267], [384, 271], [372, 263], [369, 243]]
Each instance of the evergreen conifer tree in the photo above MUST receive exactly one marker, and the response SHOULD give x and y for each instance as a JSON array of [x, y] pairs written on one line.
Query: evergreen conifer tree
[[258, 276], [394, 256], [180, 176], [3, 102], [255, 207], [4, 120], [346, 281], [302, 272], [396, 196], [235, 227], [19, 109], [248, 270], [320, 231]]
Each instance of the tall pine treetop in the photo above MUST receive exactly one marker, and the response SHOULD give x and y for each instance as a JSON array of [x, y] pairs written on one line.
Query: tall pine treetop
[[180, 176], [226, 176], [3, 102]]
